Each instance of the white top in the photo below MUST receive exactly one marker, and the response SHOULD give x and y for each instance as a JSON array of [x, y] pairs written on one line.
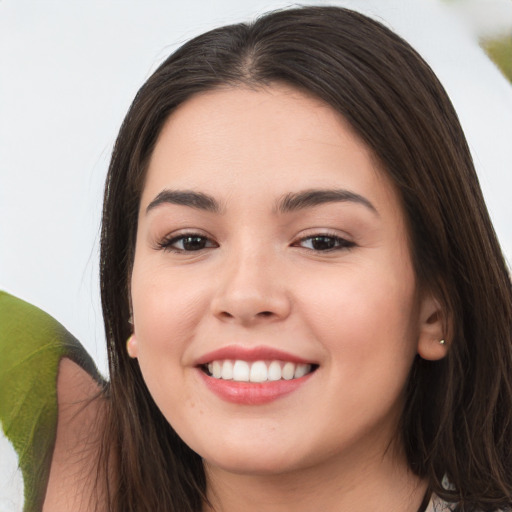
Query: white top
[[436, 504]]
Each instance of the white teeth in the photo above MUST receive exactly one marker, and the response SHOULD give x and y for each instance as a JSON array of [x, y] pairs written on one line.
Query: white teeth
[[258, 371], [288, 371], [227, 370], [240, 371], [301, 370], [217, 369], [274, 371]]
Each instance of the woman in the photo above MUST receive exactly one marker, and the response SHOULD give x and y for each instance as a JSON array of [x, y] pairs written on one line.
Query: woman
[[317, 310]]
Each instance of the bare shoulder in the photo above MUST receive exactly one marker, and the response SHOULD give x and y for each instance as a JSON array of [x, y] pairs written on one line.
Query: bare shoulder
[[74, 468]]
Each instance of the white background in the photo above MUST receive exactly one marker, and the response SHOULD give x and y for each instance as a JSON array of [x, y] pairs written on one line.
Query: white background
[[68, 72]]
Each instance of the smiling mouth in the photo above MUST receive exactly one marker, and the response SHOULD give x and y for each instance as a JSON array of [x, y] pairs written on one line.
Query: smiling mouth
[[256, 371]]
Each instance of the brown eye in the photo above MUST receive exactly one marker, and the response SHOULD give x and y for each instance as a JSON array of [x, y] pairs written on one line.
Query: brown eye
[[193, 243], [325, 243], [187, 243]]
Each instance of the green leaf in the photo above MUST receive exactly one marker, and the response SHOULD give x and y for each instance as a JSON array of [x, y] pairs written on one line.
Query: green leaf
[[499, 51], [31, 346]]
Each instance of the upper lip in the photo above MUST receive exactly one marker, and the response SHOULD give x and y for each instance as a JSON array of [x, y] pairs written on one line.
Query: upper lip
[[259, 353]]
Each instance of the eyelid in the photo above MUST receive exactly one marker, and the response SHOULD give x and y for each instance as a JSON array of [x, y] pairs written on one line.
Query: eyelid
[[312, 232]]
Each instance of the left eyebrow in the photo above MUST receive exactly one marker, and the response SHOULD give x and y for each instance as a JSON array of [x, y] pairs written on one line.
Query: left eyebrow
[[313, 197]]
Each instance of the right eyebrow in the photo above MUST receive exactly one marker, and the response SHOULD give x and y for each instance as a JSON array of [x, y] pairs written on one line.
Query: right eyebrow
[[190, 198]]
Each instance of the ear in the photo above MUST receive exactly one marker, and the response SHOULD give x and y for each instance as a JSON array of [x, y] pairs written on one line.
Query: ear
[[131, 347], [432, 338]]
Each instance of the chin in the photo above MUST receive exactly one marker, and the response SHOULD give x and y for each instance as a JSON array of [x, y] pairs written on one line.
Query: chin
[[245, 465], [251, 458]]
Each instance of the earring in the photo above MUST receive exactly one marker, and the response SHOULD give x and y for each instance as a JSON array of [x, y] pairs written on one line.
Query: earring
[[131, 346], [442, 342]]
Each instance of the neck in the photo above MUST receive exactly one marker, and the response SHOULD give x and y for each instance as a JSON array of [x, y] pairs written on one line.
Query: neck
[[380, 484]]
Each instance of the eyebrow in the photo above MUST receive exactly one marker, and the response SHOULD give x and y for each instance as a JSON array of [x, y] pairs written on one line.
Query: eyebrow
[[186, 198], [314, 197], [291, 202]]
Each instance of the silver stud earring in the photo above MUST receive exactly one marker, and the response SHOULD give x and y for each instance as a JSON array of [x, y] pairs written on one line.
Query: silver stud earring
[[442, 342]]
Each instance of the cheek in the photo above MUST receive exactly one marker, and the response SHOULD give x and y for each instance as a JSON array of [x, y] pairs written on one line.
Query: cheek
[[365, 313], [167, 308], [164, 303], [166, 312]]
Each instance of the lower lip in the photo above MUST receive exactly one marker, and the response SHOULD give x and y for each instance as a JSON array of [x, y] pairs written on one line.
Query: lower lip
[[252, 393]]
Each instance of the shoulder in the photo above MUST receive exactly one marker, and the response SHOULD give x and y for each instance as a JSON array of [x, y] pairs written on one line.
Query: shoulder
[[45, 377], [71, 482]]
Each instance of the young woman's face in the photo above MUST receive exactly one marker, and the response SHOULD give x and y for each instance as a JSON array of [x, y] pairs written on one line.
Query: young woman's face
[[272, 252]]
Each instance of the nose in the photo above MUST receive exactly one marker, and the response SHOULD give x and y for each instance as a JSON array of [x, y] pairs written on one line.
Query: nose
[[251, 291]]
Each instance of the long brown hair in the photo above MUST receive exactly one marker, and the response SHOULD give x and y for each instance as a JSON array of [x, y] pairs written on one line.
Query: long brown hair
[[457, 420]]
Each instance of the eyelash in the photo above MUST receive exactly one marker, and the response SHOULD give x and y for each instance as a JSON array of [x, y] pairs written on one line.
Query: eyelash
[[167, 243], [339, 243]]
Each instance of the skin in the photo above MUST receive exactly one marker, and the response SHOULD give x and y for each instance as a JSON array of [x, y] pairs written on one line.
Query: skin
[[355, 310], [72, 484]]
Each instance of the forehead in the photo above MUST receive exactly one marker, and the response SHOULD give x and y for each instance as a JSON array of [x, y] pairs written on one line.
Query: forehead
[[273, 140]]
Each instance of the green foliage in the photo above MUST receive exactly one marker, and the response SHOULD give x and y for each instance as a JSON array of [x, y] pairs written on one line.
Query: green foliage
[[500, 51], [31, 346]]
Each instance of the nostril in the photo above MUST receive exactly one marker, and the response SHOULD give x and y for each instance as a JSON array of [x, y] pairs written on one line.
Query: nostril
[[265, 313]]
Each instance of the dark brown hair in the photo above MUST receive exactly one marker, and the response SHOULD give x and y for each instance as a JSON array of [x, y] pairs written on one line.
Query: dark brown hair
[[457, 419]]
